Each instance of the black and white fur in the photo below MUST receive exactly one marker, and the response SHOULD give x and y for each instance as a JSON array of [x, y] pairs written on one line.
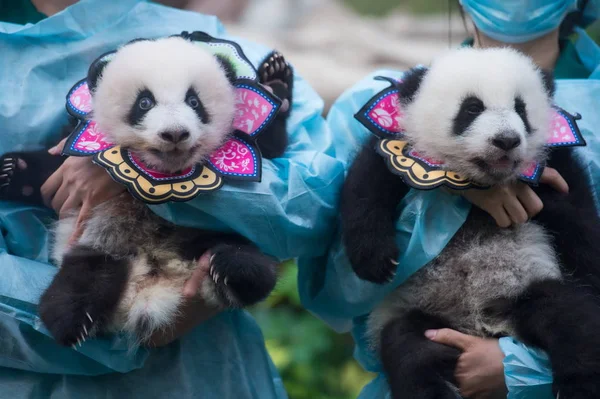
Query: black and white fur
[[486, 113], [172, 102]]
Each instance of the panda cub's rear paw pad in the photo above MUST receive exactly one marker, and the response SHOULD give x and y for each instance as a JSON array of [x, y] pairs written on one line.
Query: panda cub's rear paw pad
[[275, 73], [275, 68], [11, 167]]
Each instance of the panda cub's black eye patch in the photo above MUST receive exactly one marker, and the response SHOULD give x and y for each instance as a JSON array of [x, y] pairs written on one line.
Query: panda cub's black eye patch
[[470, 108], [193, 101], [144, 102], [521, 110]]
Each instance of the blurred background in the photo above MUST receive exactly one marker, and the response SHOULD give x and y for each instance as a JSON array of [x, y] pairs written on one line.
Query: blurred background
[[335, 43], [332, 44]]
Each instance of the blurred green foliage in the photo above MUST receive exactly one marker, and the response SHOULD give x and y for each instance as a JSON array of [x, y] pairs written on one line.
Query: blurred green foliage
[[314, 361], [379, 8]]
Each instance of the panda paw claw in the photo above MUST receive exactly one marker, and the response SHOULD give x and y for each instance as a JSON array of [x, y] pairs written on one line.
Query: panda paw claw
[[8, 166], [69, 326], [376, 263], [241, 276]]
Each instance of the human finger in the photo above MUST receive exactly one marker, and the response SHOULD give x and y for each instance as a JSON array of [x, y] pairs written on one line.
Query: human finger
[[84, 214], [451, 337], [551, 177], [71, 203], [57, 149], [516, 210], [500, 215], [51, 186], [192, 285], [530, 201]]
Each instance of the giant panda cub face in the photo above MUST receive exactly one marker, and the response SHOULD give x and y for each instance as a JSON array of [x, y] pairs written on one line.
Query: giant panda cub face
[[168, 100], [485, 113]]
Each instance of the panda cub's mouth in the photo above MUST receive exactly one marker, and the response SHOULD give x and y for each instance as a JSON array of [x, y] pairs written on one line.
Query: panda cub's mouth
[[500, 167], [173, 153], [174, 159]]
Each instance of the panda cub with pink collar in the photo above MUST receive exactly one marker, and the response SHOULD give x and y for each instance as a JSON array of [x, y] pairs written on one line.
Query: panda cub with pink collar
[[171, 102], [486, 114]]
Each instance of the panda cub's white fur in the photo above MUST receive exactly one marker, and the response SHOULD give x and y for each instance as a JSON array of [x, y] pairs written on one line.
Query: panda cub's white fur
[[482, 262], [166, 67], [496, 77], [170, 102]]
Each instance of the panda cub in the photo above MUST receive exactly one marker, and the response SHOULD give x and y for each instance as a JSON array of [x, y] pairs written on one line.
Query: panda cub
[[486, 114], [171, 102]]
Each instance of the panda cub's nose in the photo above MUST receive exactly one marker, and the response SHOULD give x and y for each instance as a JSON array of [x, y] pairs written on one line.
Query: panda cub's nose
[[175, 136], [506, 141]]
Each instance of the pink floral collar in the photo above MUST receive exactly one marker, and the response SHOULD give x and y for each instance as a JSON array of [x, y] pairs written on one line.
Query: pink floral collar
[[238, 159]]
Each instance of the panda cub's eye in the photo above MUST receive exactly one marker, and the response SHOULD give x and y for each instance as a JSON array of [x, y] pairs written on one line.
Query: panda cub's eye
[[193, 101], [145, 103], [475, 109]]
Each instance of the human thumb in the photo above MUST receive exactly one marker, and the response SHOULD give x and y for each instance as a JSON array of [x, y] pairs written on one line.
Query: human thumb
[[57, 149]]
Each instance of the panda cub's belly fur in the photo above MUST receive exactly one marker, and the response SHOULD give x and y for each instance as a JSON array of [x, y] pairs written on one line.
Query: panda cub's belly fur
[[126, 228], [481, 263]]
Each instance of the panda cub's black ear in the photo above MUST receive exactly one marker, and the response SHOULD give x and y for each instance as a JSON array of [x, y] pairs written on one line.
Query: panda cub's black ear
[[227, 67], [411, 81], [549, 84], [137, 40], [95, 71]]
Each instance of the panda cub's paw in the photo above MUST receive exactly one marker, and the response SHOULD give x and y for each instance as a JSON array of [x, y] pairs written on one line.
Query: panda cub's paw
[[275, 73], [70, 324], [14, 173], [239, 276], [374, 259], [23, 174], [83, 295]]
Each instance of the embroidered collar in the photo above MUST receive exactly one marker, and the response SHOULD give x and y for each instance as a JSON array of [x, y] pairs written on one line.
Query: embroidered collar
[[382, 116], [238, 159]]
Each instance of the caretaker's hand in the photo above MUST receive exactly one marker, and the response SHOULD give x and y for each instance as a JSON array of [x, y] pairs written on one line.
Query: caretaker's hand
[[514, 203], [479, 371], [78, 184], [194, 311]]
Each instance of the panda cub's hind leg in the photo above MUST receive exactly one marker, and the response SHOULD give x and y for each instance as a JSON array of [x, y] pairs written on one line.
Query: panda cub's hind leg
[[22, 175], [276, 74], [240, 275], [83, 295], [416, 367], [562, 319]]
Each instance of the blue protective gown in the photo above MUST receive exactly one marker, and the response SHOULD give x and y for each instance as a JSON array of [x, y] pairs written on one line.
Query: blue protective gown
[[428, 220], [289, 214]]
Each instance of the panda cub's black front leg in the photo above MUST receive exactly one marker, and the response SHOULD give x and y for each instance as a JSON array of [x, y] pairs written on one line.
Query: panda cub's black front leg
[[83, 295], [242, 275], [275, 73], [370, 196]]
